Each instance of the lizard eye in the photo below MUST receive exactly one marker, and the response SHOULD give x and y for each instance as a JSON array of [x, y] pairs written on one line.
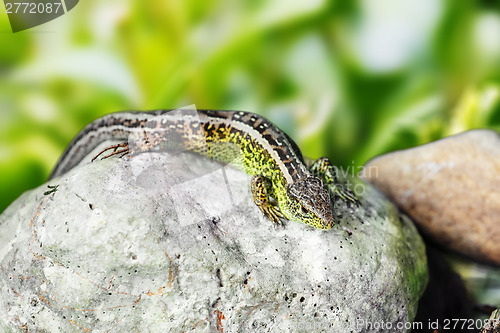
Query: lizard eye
[[304, 210]]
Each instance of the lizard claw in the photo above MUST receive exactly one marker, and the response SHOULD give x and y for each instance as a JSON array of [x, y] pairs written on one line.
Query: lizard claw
[[274, 214], [116, 151], [346, 195]]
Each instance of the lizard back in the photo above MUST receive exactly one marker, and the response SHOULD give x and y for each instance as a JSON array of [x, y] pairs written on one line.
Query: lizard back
[[246, 140]]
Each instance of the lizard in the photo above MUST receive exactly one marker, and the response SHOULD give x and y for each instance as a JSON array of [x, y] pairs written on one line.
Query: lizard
[[261, 149]]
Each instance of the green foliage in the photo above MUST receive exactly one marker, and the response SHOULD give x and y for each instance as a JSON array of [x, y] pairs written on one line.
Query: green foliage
[[346, 79]]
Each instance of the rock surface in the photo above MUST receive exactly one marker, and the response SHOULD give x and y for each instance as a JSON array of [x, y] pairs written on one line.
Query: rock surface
[[153, 244], [450, 188]]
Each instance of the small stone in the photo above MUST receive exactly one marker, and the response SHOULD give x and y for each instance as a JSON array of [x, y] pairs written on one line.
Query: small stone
[[155, 243], [450, 188], [493, 324]]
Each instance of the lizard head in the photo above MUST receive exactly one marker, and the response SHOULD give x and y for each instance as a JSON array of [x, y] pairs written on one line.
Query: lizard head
[[310, 203]]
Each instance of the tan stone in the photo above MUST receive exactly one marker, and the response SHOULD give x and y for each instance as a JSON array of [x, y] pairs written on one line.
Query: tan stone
[[451, 189]]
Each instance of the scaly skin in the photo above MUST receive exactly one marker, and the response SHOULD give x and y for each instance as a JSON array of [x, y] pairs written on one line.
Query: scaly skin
[[245, 140]]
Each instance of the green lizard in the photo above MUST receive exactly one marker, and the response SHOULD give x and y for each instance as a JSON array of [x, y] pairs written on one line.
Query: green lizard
[[262, 150]]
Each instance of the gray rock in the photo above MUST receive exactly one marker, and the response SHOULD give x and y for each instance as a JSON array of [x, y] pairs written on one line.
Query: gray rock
[[157, 244]]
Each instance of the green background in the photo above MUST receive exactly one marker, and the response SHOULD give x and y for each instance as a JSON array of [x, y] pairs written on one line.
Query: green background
[[345, 79]]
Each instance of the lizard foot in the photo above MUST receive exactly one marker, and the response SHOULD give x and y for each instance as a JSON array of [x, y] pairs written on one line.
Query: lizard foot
[[261, 190], [274, 214], [326, 171], [116, 151]]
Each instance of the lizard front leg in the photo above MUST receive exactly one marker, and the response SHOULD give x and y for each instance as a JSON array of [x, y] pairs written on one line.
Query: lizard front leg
[[326, 171], [261, 189]]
